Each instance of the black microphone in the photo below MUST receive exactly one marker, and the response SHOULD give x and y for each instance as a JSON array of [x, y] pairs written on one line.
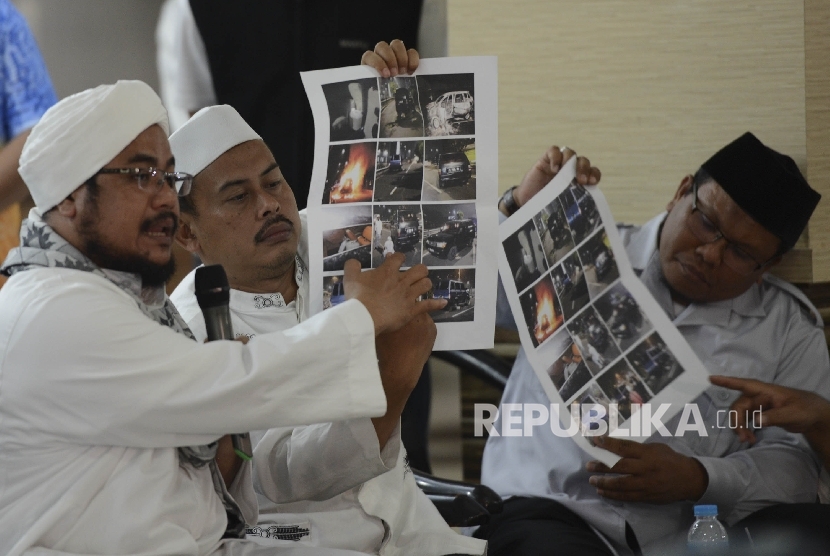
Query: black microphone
[[213, 293]]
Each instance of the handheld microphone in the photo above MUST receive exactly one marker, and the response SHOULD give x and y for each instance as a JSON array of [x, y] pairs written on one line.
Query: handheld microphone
[[213, 295]]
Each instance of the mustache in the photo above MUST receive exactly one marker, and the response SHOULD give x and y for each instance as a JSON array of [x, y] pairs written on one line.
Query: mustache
[[275, 220], [168, 215]]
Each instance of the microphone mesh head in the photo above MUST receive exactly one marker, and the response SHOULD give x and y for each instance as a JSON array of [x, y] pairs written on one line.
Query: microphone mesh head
[[211, 286]]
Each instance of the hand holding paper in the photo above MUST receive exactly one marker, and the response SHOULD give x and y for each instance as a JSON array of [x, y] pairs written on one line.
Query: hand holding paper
[[546, 168], [391, 59], [649, 473]]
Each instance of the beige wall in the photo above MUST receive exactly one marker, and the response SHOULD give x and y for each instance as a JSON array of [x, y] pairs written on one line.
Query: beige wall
[[649, 89]]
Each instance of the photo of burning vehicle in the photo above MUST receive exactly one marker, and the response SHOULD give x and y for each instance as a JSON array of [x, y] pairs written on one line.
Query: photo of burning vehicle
[[450, 232], [333, 293], [396, 229], [552, 226], [654, 363], [569, 373], [349, 238], [351, 174], [354, 109], [581, 212], [594, 339], [524, 255], [623, 387], [449, 170], [569, 280], [541, 310], [400, 113], [457, 286], [447, 103], [400, 171], [623, 315], [598, 261]]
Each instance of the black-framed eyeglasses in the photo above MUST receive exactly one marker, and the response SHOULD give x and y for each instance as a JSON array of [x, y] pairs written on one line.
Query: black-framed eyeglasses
[[152, 179], [733, 256]]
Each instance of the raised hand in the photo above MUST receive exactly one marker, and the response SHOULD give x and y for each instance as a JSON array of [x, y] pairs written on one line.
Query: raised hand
[[794, 410], [391, 59], [390, 296], [546, 168]]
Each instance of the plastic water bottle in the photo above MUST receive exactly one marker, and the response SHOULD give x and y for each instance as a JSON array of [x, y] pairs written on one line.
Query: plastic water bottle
[[707, 535]]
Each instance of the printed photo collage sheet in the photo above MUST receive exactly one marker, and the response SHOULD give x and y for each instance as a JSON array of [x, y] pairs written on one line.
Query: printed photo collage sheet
[[409, 165], [591, 330]]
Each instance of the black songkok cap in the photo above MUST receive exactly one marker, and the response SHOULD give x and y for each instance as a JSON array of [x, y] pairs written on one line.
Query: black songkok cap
[[766, 184]]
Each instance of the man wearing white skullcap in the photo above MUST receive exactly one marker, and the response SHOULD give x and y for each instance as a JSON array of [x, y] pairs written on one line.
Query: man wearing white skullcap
[[339, 485], [111, 414]]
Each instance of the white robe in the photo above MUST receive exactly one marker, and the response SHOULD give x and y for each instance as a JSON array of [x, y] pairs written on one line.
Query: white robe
[[95, 398], [330, 479]]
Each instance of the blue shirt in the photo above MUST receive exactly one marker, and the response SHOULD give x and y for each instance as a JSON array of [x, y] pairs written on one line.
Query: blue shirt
[[25, 88]]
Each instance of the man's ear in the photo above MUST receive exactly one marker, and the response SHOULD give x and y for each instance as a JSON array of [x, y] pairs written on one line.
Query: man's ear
[[186, 237], [68, 208], [682, 190]]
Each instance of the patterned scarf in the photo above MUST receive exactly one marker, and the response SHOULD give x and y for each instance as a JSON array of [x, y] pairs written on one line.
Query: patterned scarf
[[41, 246]]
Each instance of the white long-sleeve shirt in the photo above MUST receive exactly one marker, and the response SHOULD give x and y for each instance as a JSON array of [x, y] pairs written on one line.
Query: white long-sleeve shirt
[[330, 484], [95, 398]]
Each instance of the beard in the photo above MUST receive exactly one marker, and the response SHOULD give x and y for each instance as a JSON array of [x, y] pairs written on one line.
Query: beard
[[105, 256]]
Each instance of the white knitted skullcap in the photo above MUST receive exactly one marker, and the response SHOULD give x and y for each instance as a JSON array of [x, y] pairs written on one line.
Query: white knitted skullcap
[[82, 133], [206, 136]]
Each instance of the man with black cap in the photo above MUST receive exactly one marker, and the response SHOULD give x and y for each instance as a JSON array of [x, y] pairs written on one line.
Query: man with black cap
[[705, 261]]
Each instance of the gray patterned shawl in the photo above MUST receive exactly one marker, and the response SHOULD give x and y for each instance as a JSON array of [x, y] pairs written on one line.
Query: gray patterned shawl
[[41, 246]]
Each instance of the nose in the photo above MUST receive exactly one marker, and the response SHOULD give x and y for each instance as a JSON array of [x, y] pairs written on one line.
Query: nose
[[165, 197], [712, 252], [267, 204]]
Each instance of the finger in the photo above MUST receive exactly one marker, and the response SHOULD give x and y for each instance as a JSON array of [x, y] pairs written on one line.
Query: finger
[[420, 287], [625, 465], [243, 339], [401, 62], [414, 60], [385, 51], [626, 483], [597, 467], [428, 306], [745, 385], [369, 58], [415, 274], [392, 262], [583, 169], [594, 176], [554, 157]]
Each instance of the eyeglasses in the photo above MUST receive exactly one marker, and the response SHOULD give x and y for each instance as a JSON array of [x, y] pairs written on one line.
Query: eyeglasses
[[733, 256], [152, 179]]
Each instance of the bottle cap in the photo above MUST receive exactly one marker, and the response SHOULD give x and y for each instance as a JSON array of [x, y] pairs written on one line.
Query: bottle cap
[[706, 511]]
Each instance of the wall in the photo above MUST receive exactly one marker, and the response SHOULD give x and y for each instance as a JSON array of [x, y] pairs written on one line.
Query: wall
[[649, 90]]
